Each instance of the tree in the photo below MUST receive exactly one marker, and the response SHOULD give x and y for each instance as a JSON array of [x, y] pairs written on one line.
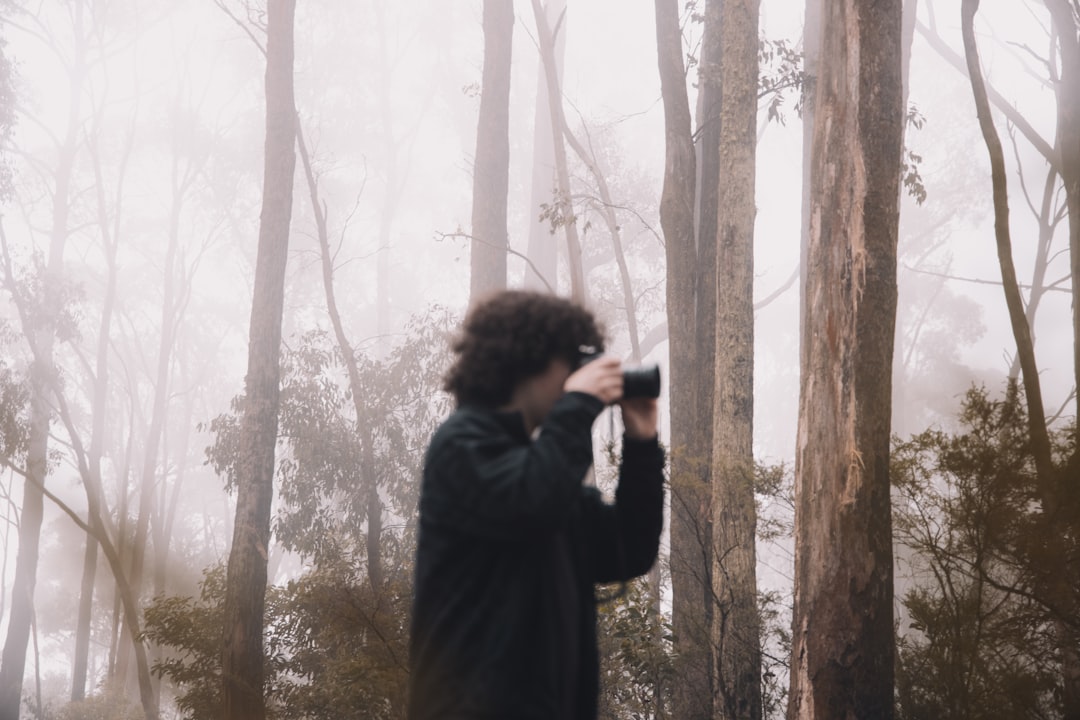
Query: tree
[[1058, 491], [41, 305], [491, 167], [687, 307], [977, 645], [735, 622], [540, 273], [842, 654], [561, 211], [242, 652], [1065, 21]]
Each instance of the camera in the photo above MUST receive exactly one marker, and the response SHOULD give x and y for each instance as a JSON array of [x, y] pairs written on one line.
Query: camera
[[638, 382]]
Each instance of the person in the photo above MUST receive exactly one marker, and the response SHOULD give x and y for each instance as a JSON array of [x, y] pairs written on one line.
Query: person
[[511, 542]]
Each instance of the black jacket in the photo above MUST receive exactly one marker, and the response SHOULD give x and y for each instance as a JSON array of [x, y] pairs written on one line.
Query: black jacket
[[510, 545]]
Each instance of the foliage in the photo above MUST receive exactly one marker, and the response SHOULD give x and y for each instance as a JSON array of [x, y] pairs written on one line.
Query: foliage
[[636, 656], [322, 467], [781, 70], [14, 416], [979, 641], [910, 177], [335, 649], [110, 703]]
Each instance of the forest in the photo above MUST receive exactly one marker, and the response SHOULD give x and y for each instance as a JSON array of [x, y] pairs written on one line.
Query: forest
[[236, 240]]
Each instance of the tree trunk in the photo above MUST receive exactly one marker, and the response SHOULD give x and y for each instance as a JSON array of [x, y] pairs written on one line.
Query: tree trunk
[[811, 59], [367, 472], [1066, 25], [540, 272], [690, 537], [245, 590], [842, 653], [735, 628], [491, 168], [562, 205]]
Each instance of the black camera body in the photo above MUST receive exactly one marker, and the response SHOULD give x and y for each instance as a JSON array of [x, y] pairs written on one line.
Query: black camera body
[[638, 382]]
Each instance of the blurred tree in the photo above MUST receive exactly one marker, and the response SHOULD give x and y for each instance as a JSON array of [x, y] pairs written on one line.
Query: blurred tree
[[560, 212], [242, 654], [491, 164], [542, 251], [842, 654], [39, 300]]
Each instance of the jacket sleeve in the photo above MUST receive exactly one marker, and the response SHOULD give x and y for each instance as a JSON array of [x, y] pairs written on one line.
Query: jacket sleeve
[[481, 481], [625, 537]]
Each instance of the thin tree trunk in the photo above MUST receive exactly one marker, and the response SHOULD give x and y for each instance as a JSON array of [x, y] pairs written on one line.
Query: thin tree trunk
[[245, 591], [562, 204], [842, 653], [491, 168], [689, 492], [540, 273], [367, 471], [735, 629]]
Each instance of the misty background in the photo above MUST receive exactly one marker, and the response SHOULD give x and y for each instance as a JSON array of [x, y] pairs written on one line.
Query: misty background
[[153, 114]]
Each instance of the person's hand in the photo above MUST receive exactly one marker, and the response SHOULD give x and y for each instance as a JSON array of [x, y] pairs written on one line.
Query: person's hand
[[639, 416], [601, 378]]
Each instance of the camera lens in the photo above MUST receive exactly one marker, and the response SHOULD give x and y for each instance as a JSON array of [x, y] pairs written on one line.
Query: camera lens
[[641, 382]]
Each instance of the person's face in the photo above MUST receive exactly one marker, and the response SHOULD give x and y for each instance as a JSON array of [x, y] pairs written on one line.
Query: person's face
[[540, 392]]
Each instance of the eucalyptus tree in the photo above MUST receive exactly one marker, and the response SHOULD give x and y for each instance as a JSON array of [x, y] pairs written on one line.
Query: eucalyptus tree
[[842, 654], [242, 652], [735, 630], [690, 303]]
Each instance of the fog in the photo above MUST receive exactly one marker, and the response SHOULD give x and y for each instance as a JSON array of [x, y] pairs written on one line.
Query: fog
[[152, 113]]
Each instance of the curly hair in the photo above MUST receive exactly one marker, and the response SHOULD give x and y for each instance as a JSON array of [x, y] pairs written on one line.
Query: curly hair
[[512, 336]]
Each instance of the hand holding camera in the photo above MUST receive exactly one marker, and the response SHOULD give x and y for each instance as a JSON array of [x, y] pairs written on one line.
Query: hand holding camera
[[635, 389], [602, 378]]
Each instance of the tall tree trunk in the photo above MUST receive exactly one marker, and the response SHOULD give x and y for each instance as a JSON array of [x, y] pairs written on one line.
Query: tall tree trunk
[[491, 168], [735, 629], [41, 336], [811, 60], [540, 272], [245, 590], [842, 653], [562, 204], [1066, 24], [690, 537]]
